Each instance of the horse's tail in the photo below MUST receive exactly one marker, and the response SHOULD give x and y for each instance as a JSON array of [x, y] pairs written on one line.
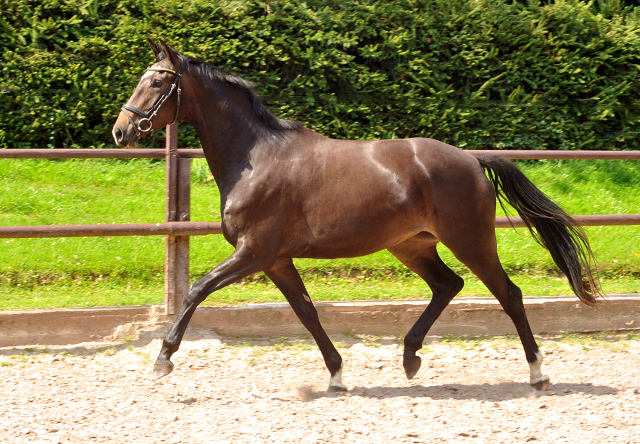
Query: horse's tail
[[554, 228]]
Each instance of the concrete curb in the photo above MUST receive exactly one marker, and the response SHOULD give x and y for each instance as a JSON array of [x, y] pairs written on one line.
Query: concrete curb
[[464, 316]]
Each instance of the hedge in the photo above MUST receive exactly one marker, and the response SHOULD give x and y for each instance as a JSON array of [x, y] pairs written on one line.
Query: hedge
[[481, 74]]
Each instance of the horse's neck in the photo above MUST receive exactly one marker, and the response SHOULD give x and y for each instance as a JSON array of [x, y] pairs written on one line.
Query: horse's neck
[[228, 133], [227, 157]]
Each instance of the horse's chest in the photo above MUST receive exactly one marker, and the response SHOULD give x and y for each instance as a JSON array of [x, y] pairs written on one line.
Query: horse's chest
[[238, 216]]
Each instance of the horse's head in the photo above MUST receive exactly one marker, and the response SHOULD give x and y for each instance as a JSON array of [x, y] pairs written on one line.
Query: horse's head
[[155, 102]]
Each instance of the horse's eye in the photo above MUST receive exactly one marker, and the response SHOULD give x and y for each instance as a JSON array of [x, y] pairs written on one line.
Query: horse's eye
[[156, 83]]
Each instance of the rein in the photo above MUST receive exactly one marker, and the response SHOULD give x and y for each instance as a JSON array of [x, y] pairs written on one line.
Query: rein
[[145, 125]]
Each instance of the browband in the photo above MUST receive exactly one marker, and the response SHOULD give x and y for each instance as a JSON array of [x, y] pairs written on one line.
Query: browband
[[164, 70]]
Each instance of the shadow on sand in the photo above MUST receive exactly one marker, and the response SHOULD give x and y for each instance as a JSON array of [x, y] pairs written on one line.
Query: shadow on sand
[[504, 391]]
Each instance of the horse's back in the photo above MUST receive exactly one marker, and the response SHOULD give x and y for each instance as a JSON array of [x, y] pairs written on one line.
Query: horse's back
[[439, 171]]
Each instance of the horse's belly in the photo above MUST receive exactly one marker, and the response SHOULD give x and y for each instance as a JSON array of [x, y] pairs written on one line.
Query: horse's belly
[[358, 237]]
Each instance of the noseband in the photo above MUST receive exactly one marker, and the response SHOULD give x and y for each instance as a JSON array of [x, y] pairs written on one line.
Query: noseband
[[145, 125]]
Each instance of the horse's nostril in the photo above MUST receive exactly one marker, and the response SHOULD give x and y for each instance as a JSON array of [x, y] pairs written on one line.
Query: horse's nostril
[[118, 134]]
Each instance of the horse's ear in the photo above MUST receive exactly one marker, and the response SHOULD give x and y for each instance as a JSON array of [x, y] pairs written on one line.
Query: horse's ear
[[168, 52], [154, 47]]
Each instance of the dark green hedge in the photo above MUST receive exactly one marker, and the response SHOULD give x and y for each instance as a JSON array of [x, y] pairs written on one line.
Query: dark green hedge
[[475, 73]]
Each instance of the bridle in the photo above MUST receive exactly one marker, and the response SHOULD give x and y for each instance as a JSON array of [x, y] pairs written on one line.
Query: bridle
[[145, 125]]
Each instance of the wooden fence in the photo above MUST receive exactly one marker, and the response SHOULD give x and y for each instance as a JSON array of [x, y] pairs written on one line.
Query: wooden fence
[[177, 227]]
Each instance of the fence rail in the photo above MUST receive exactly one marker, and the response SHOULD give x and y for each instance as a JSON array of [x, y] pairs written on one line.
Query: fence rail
[[177, 229], [203, 228], [97, 153], [164, 228], [190, 153]]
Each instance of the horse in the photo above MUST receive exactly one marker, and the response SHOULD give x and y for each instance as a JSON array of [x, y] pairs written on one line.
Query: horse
[[289, 192]]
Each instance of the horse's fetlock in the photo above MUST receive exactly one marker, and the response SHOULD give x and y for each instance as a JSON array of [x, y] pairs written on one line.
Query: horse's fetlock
[[169, 347], [412, 344], [334, 364]]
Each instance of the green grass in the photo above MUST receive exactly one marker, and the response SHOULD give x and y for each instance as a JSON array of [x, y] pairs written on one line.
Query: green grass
[[71, 272]]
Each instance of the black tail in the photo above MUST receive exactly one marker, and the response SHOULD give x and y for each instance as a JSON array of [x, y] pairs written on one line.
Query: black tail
[[554, 228]]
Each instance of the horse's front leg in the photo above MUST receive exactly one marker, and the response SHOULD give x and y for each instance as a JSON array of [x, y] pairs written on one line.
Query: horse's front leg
[[239, 265], [284, 274]]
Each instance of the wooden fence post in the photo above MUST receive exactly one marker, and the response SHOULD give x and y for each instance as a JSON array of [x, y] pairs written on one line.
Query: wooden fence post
[[176, 276]]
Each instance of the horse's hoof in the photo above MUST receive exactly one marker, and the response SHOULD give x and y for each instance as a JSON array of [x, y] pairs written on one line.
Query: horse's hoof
[[542, 384], [337, 389], [411, 366], [162, 369]]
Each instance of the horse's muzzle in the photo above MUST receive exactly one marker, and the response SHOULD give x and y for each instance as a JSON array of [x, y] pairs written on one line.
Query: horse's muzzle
[[124, 135]]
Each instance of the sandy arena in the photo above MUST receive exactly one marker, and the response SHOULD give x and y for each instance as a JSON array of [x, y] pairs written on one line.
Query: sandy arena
[[252, 390]]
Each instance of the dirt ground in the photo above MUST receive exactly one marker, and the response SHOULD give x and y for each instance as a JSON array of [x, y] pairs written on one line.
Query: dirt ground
[[251, 390]]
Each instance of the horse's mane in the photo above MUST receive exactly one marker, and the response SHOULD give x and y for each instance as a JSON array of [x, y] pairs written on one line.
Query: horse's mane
[[215, 74]]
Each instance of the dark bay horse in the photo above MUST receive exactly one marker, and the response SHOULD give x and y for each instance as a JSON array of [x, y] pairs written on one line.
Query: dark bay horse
[[288, 192]]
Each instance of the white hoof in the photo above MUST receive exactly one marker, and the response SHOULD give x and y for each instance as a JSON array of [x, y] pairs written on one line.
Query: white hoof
[[335, 384], [541, 384], [538, 380]]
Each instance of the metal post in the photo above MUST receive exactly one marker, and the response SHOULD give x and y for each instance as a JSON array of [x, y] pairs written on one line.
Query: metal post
[[177, 210]]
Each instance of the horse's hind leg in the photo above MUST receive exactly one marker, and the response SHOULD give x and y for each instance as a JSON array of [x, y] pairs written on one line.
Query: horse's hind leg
[[422, 258], [510, 297], [482, 258], [285, 276]]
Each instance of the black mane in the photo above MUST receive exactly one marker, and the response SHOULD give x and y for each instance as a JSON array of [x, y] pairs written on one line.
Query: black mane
[[216, 74]]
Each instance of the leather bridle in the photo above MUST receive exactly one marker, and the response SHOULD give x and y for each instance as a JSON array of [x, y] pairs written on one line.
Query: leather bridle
[[145, 125]]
